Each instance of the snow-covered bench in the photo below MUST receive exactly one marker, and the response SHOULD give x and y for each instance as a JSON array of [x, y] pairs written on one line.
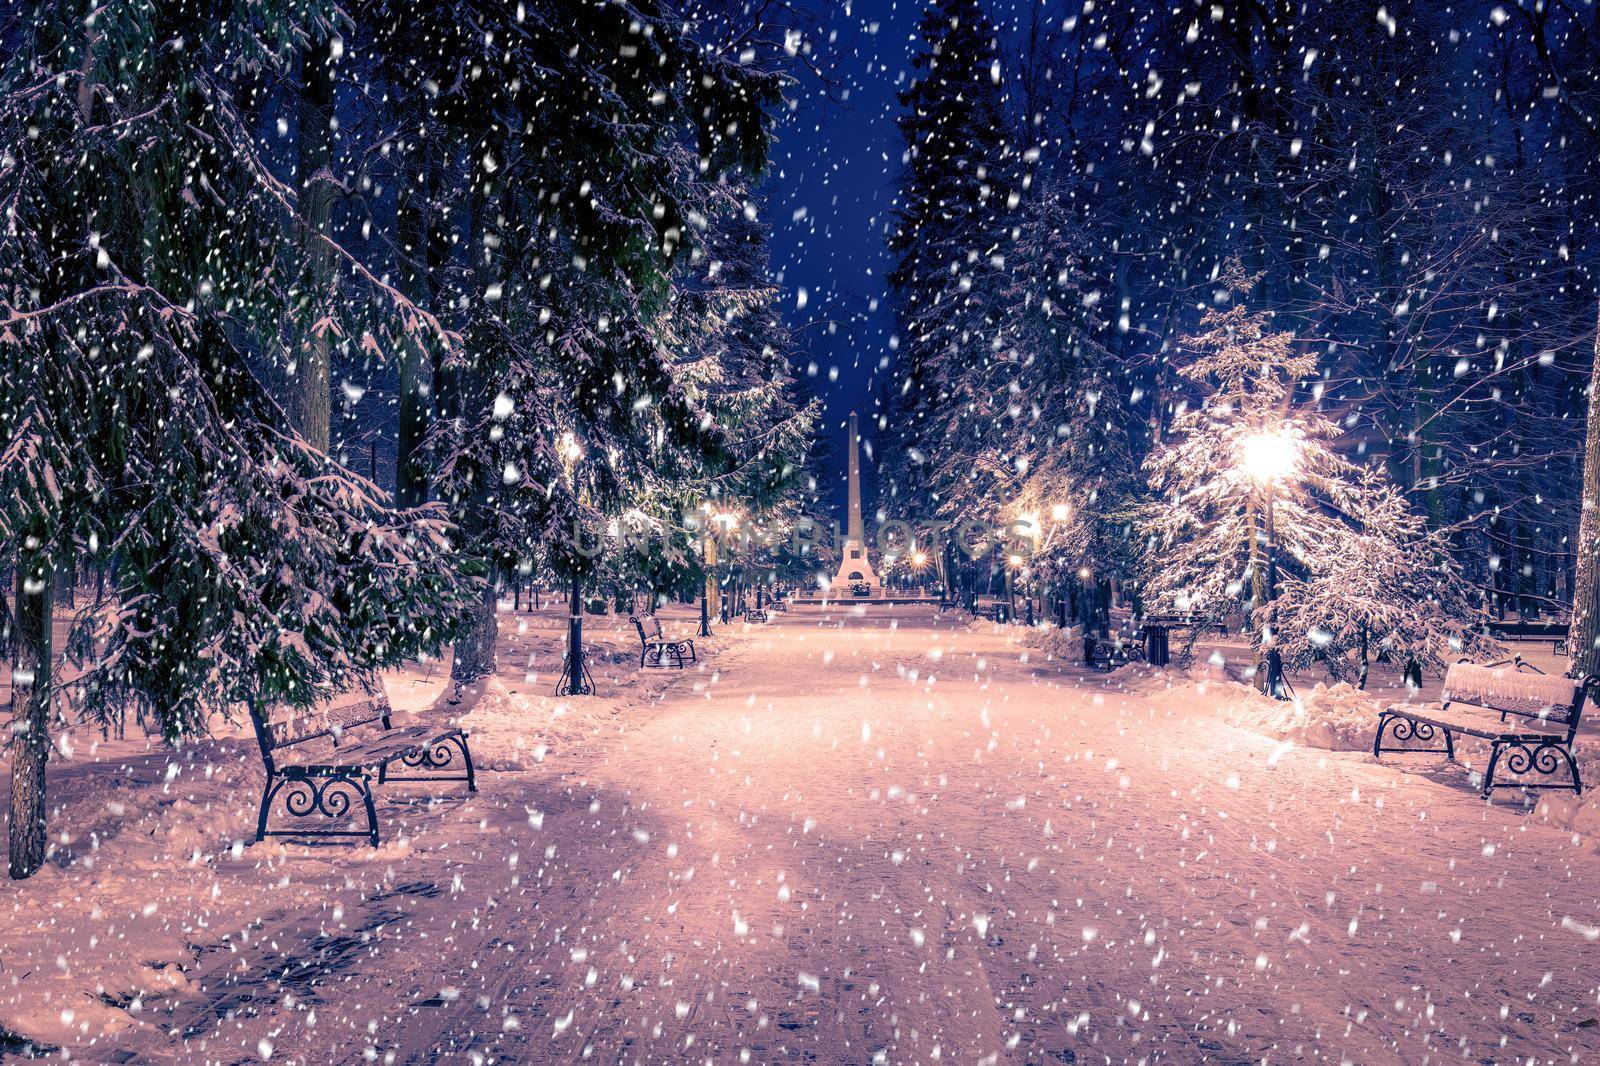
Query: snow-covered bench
[[326, 758], [655, 649], [1547, 709], [755, 615]]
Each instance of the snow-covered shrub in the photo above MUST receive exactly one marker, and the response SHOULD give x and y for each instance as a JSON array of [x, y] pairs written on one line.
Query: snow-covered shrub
[[1385, 585]]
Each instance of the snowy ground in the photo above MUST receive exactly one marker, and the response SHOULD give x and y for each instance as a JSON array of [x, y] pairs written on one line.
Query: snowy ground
[[844, 837]]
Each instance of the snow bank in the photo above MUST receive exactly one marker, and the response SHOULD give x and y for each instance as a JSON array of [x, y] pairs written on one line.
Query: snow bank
[[510, 731], [957, 616], [1581, 814], [1065, 645], [1337, 717]]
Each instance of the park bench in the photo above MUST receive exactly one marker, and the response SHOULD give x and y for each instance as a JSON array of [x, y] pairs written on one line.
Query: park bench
[[1108, 653], [1546, 709], [655, 650], [1187, 621], [1532, 629], [754, 615], [325, 757]]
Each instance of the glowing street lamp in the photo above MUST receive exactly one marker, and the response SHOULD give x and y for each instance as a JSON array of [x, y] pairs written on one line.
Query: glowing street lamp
[[722, 520], [1267, 458]]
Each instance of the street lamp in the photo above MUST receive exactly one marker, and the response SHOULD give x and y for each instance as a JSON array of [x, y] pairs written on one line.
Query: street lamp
[[575, 680], [708, 549], [1268, 457], [725, 521]]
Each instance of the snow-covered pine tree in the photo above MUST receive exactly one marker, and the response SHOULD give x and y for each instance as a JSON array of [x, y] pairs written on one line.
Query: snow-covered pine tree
[[1385, 585], [949, 219], [586, 175], [1028, 423], [734, 353], [139, 277], [1338, 529]]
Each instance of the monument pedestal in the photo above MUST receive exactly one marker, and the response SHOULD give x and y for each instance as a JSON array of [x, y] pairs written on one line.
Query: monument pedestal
[[855, 571]]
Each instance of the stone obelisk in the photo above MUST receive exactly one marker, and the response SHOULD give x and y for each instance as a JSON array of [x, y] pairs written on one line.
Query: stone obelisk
[[855, 576]]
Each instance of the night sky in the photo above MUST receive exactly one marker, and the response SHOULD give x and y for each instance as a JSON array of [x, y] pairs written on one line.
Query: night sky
[[830, 197]]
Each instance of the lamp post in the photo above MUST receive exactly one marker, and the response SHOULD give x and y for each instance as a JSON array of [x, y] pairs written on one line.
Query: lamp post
[[1268, 457], [1059, 513], [725, 521], [575, 680], [708, 560], [709, 546]]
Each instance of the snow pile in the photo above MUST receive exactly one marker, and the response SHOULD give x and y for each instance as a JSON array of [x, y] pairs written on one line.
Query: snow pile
[[1065, 645], [958, 616], [1337, 717], [1581, 814], [510, 731]]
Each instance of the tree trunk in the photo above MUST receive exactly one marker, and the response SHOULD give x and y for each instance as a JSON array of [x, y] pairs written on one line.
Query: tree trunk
[[312, 393], [1585, 630], [475, 647], [30, 711]]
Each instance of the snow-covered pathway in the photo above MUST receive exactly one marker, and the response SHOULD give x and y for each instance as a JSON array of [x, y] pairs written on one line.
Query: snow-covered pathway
[[891, 837]]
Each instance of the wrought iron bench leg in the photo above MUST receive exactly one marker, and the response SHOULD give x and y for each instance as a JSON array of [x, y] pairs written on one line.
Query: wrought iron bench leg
[[372, 810], [436, 755], [268, 792], [466, 757], [318, 794], [1406, 729], [1541, 759], [1495, 748]]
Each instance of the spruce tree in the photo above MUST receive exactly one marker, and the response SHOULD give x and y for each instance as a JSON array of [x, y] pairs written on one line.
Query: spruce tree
[[592, 143], [948, 217], [141, 270]]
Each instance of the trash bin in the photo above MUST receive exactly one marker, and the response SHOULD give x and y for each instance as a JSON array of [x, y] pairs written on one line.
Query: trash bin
[[1157, 647]]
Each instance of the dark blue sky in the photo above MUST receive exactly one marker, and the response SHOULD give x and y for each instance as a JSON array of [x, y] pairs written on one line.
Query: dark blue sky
[[830, 196]]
